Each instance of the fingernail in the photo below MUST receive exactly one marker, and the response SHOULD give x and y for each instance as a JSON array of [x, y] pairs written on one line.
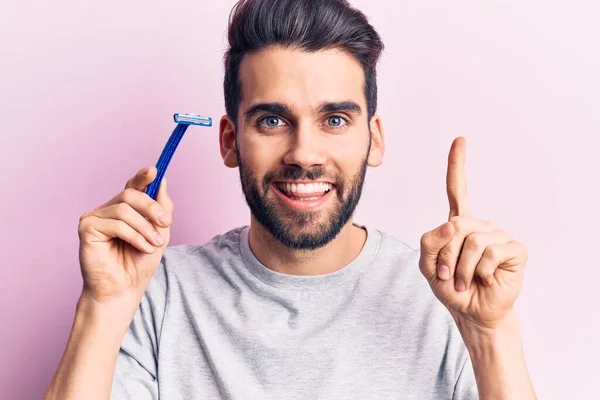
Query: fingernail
[[443, 231], [444, 272], [460, 285], [145, 170], [159, 239], [162, 218]]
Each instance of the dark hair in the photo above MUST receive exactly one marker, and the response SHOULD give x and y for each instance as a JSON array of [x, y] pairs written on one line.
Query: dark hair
[[310, 25]]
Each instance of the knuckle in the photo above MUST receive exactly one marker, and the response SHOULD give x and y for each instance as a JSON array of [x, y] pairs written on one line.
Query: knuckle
[[455, 219], [445, 256], [458, 222], [493, 253], [425, 241], [129, 195], [83, 217], [123, 210], [84, 223], [474, 242], [129, 183], [486, 277], [122, 227]]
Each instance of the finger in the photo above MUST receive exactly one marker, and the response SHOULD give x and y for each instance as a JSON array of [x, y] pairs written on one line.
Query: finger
[[142, 178], [431, 243], [163, 198], [126, 213], [456, 179], [472, 251], [145, 205], [449, 254], [508, 256], [138, 182], [113, 228]]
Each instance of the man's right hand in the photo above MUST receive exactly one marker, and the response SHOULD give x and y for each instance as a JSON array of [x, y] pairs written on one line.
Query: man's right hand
[[118, 254], [122, 241]]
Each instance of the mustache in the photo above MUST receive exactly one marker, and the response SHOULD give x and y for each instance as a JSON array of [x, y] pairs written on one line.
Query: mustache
[[294, 173]]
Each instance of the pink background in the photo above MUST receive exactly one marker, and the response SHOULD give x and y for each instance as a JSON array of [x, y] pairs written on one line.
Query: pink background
[[87, 93]]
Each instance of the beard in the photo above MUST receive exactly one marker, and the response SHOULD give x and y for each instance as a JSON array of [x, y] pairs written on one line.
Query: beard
[[301, 230]]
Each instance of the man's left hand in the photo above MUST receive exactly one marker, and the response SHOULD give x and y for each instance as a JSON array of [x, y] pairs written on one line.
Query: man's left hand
[[474, 268]]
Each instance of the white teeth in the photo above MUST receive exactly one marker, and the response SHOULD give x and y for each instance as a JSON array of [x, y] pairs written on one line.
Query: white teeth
[[304, 188]]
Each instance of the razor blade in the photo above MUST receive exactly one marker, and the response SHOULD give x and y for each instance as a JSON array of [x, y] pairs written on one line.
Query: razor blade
[[192, 119], [183, 122]]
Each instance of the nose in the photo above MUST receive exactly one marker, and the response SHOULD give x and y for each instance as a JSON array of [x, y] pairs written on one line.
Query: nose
[[306, 149]]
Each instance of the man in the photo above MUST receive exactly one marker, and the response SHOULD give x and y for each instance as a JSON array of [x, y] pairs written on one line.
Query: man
[[303, 303]]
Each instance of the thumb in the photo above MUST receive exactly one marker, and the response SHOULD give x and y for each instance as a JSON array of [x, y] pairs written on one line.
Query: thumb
[[163, 198], [431, 244]]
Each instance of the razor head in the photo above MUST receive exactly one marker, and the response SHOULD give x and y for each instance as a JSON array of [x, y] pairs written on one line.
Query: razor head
[[192, 119]]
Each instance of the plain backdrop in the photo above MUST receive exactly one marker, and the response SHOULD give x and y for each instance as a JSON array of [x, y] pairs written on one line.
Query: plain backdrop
[[87, 94]]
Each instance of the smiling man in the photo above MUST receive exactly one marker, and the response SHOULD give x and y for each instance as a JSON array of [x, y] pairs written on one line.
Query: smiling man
[[302, 139], [302, 303]]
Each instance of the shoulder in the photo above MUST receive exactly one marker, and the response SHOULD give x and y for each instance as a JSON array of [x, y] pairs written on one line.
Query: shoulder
[[398, 265], [414, 305], [191, 264]]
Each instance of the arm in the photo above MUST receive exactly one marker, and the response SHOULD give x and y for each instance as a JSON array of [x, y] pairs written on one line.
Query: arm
[[498, 360], [120, 249], [88, 363], [476, 270]]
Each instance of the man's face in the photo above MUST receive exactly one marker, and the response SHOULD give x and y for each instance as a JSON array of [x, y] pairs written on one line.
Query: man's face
[[302, 142]]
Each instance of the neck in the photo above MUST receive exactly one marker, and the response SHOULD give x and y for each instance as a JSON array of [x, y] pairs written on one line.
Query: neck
[[333, 256]]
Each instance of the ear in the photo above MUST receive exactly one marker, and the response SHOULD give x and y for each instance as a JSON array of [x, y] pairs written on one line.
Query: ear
[[377, 142], [227, 142]]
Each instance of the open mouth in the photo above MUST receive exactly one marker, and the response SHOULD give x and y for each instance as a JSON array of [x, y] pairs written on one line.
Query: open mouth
[[304, 191], [304, 196]]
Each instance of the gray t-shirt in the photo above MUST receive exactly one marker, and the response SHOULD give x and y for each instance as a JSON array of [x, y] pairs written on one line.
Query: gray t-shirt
[[217, 324]]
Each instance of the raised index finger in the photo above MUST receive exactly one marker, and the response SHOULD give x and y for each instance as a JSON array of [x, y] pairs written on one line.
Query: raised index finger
[[456, 179]]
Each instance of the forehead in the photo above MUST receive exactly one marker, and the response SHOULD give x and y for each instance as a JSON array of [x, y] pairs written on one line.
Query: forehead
[[301, 79]]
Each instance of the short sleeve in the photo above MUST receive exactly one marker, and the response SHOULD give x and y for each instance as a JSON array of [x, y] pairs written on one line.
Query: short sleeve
[[466, 386], [132, 380], [136, 370]]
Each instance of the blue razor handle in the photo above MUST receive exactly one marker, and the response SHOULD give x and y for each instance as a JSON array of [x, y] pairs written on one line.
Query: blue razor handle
[[183, 121]]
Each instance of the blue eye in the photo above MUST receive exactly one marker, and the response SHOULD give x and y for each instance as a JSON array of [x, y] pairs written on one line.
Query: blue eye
[[336, 121], [271, 122]]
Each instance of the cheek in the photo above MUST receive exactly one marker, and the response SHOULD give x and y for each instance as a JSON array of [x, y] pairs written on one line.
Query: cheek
[[349, 158], [260, 157], [252, 150]]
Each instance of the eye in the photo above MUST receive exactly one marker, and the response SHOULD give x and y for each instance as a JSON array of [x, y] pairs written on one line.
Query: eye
[[336, 121], [271, 122]]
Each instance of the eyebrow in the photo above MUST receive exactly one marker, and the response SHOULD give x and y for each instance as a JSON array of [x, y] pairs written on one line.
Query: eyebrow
[[345, 106], [282, 109], [275, 108]]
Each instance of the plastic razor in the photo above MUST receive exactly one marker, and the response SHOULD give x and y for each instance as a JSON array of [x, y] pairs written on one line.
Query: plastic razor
[[183, 121]]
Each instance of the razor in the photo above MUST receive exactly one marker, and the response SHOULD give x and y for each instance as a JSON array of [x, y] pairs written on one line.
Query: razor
[[183, 121]]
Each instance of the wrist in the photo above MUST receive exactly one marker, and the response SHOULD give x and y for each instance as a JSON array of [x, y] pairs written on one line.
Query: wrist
[[496, 353], [478, 336], [112, 317]]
